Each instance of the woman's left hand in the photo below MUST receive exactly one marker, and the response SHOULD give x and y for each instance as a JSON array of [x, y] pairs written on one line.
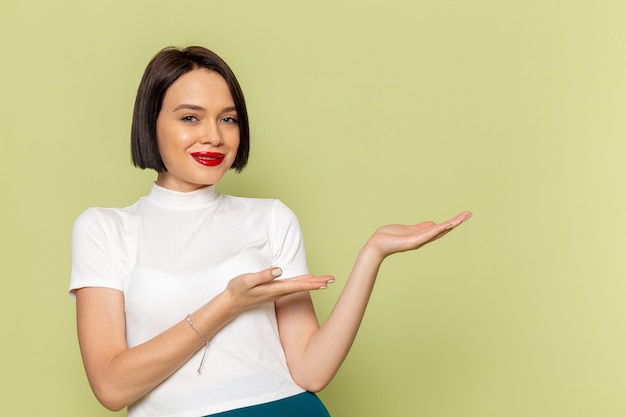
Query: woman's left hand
[[395, 238]]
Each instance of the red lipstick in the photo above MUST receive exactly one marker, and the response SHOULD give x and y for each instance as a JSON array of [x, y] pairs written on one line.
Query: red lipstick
[[209, 159]]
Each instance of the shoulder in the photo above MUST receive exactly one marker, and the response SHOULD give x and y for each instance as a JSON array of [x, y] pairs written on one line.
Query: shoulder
[[105, 218]]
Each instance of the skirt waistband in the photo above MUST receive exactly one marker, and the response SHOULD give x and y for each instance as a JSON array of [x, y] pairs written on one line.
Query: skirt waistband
[[306, 404]]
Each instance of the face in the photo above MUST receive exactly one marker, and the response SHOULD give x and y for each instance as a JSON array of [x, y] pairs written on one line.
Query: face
[[197, 131]]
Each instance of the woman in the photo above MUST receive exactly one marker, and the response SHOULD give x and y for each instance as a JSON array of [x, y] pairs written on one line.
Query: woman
[[180, 311]]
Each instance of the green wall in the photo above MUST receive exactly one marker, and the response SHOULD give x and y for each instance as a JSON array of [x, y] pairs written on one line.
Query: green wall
[[363, 113]]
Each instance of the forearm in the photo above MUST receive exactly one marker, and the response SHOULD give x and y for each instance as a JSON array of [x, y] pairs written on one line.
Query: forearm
[[134, 372], [315, 361], [120, 376], [329, 344]]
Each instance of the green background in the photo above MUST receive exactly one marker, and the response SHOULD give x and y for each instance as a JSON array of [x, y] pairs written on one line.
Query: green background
[[363, 113]]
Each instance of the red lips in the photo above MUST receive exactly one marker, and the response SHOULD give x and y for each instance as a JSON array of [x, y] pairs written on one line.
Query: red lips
[[209, 159]]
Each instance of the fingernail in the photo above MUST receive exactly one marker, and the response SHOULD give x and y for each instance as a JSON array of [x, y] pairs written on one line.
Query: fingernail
[[450, 226], [323, 287], [330, 281], [276, 272]]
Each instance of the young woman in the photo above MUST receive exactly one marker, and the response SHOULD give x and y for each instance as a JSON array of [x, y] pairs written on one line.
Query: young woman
[[192, 303]]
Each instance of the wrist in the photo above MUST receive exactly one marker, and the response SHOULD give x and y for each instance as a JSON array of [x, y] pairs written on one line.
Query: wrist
[[371, 254], [226, 304]]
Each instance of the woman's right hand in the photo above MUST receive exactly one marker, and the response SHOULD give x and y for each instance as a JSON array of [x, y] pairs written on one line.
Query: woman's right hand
[[250, 289]]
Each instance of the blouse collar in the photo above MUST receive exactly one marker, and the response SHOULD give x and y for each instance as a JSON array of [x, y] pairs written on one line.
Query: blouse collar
[[198, 199]]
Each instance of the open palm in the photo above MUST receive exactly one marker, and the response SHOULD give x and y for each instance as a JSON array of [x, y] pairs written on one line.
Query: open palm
[[395, 238]]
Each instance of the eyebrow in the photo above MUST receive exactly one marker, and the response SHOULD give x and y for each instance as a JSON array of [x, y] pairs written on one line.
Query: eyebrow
[[200, 108]]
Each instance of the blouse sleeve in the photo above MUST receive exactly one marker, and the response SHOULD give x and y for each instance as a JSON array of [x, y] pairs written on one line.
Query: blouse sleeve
[[287, 243], [93, 253]]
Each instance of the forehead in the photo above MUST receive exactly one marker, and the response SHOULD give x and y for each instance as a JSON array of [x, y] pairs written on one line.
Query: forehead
[[199, 86]]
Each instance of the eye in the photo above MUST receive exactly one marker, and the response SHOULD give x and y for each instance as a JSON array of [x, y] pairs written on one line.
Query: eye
[[189, 119], [230, 119]]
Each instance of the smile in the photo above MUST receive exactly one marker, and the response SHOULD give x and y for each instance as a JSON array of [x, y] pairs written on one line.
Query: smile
[[209, 159]]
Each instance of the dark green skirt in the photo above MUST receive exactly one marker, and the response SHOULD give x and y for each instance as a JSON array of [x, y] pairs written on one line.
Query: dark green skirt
[[302, 405]]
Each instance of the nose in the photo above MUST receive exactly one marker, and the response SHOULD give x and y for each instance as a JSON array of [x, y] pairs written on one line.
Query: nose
[[211, 135]]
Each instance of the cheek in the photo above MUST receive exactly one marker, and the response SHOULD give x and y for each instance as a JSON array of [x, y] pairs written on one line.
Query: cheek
[[235, 139], [167, 145], [172, 139], [235, 147]]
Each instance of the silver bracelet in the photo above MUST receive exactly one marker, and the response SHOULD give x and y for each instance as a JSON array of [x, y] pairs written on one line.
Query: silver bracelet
[[204, 339]]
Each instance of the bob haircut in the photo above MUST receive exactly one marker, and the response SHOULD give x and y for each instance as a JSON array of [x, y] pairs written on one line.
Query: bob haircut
[[162, 71]]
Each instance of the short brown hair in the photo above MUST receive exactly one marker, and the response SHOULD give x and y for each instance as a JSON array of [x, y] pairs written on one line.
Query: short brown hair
[[162, 71]]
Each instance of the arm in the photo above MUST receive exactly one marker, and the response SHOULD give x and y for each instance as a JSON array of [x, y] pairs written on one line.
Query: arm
[[314, 353], [120, 375]]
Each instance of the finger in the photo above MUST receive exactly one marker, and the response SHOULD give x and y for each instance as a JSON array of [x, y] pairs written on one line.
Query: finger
[[312, 279], [257, 278], [444, 228], [457, 220], [283, 287], [423, 225]]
